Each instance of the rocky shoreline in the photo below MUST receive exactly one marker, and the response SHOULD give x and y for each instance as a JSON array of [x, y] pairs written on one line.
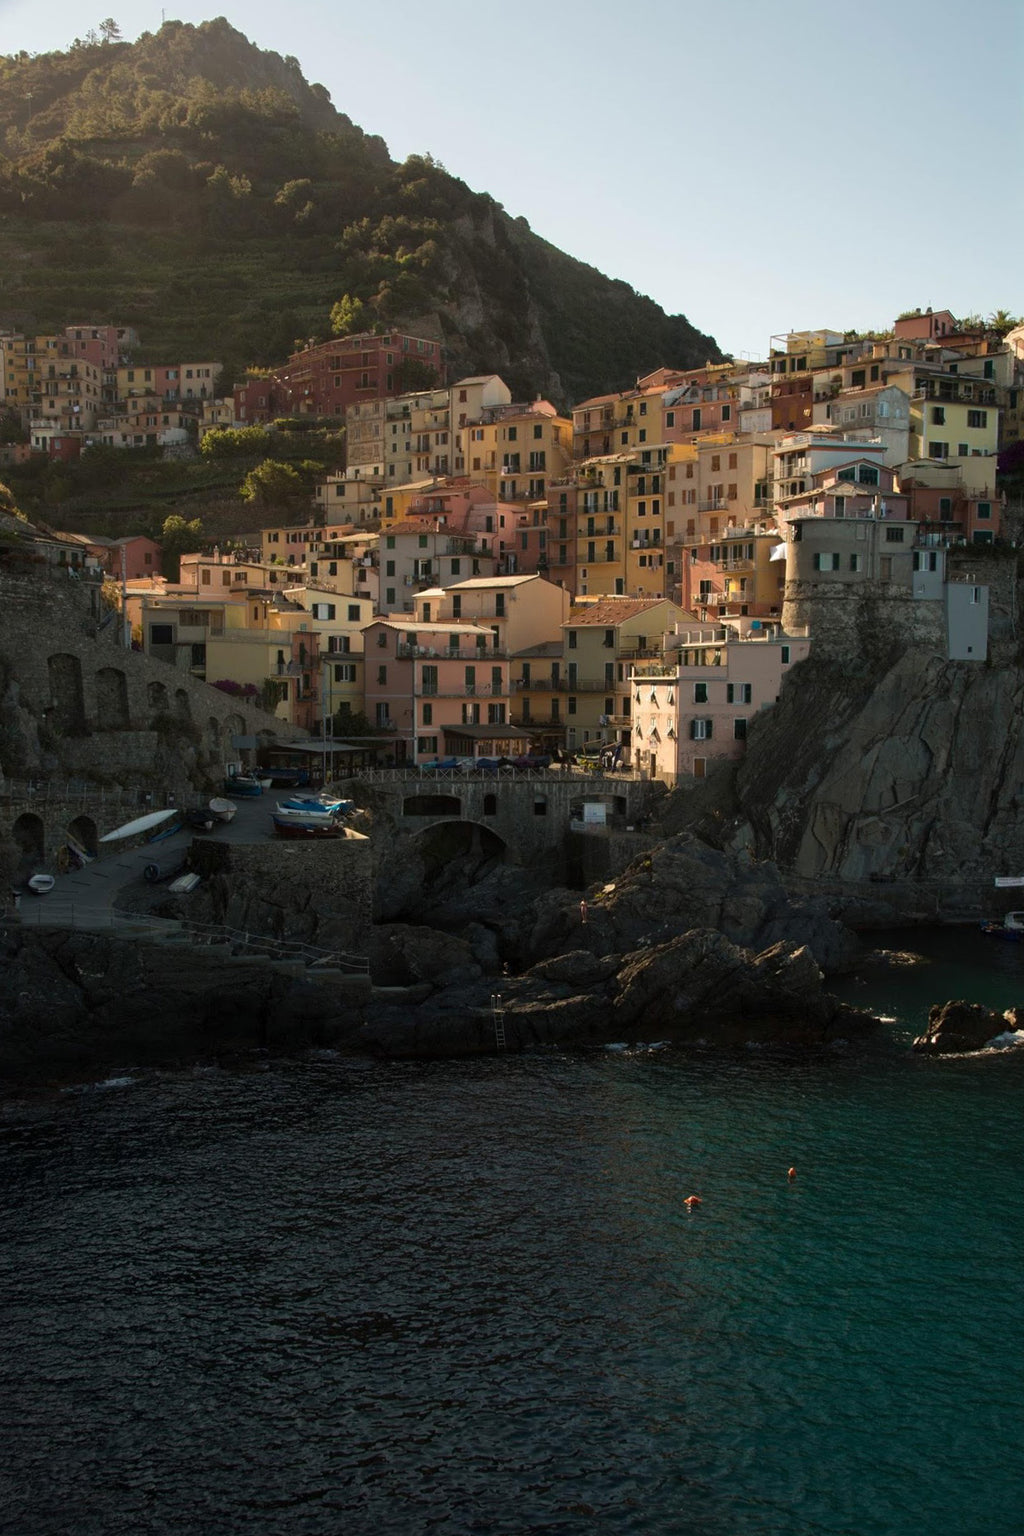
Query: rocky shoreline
[[690, 944]]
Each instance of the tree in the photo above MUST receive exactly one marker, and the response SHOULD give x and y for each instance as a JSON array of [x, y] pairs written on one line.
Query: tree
[[110, 32], [233, 442], [348, 316], [276, 484], [1002, 321], [178, 538]]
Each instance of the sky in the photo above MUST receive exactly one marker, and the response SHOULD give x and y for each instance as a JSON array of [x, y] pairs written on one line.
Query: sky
[[757, 165]]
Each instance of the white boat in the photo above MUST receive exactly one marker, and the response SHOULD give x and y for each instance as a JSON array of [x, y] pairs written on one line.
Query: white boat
[[305, 813], [222, 810], [140, 825], [40, 885], [184, 884], [1007, 880]]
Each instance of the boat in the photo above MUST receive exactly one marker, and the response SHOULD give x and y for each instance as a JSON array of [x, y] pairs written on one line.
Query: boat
[[153, 874], [309, 829], [41, 885], [285, 778], [243, 785], [200, 819], [1011, 927], [321, 802], [140, 826], [1007, 880], [317, 813], [184, 884], [222, 810]]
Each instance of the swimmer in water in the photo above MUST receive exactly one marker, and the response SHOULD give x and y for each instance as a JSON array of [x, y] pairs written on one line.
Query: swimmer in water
[[691, 1202], [791, 1174]]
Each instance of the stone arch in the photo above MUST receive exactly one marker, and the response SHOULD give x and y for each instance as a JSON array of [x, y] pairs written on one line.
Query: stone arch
[[29, 836], [156, 695], [213, 736], [67, 707], [112, 700], [83, 830], [467, 843], [181, 704], [234, 725]]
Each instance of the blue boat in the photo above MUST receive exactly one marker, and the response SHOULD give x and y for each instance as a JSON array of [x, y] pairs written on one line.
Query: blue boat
[[243, 786]]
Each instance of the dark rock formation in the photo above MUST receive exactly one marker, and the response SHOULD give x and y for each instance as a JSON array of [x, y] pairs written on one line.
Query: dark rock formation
[[961, 1026], [684, 884], [697, 988]]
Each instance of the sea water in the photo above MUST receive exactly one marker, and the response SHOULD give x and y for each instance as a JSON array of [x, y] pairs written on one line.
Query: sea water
[[334, 1296]]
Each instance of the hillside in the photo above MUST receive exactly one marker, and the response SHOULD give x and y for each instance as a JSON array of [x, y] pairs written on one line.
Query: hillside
[[199, 188]]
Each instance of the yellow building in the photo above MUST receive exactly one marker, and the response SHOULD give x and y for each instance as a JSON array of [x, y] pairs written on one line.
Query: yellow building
[[519, 452], [601, 641]]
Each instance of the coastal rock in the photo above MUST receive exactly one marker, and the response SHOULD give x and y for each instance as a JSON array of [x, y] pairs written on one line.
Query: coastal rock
[[684, 884], [962, 1026], [401, 954], [697, 987]]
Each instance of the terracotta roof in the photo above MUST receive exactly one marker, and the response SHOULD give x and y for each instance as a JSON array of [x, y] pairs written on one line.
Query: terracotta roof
[[610, 611]]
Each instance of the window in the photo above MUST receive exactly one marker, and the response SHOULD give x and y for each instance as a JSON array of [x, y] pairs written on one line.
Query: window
[[856, 562], [428, 714], [389, 595], [726, 412], [382, 674], [495, 714], [894, 535], [962, 450], [739, 730], [785, 655], [938, 450], [977, 419], [572, 706], [926, 560], [670, 418], [573, 639], [700, 693], [826, 562], [984, 509], [700, 730], [345, 672], [738, 693], [945, 506], [938, 415], [427, 744], [696, 421], [538, 432], [353, 613]]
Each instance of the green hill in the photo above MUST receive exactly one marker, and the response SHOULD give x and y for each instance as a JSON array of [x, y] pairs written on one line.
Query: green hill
[[199, 188]]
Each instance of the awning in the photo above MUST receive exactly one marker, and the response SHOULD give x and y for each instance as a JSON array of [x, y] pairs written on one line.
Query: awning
[[778, 552]]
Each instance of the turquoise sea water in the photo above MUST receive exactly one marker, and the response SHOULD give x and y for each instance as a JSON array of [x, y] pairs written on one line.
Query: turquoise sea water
[[335, 1296]]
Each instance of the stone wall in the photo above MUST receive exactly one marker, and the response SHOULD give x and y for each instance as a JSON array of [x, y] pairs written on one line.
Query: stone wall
[[75, 704], [314, 893]]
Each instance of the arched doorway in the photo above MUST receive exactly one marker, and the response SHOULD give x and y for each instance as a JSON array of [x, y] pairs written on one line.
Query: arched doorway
[[82, 835], [29, 837]]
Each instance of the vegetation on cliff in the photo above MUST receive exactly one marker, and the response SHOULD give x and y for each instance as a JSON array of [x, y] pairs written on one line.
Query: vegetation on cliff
[[199, 188]]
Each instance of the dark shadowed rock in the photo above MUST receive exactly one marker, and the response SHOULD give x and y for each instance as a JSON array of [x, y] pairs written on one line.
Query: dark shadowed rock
[[961, 1026]]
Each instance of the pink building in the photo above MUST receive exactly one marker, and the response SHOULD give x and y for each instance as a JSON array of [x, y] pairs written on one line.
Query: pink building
[[692, 709], [434, 683]]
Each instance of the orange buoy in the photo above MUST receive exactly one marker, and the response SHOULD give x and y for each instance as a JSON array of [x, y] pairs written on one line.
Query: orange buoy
[[691, 1201], [791, 1174]]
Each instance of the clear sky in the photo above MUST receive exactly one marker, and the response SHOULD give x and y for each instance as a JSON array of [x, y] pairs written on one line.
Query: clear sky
[[758, 165]]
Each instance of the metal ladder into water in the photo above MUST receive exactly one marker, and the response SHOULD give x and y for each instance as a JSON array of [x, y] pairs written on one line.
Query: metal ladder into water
[[498, 1015]]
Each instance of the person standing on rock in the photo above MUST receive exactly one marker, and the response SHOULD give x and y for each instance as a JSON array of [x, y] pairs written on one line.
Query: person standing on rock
[[583, 910]]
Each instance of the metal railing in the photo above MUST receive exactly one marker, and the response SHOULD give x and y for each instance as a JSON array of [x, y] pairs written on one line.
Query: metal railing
[[61, 912], [68, 789]]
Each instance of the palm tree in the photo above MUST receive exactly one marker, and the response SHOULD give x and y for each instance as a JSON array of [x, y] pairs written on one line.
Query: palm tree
[[1002, 321]]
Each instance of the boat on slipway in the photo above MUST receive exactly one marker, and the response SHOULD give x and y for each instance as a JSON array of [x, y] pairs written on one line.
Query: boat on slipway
[[307, 827], [154, 823], [1009, 927], [243, 785], [222, 810]]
